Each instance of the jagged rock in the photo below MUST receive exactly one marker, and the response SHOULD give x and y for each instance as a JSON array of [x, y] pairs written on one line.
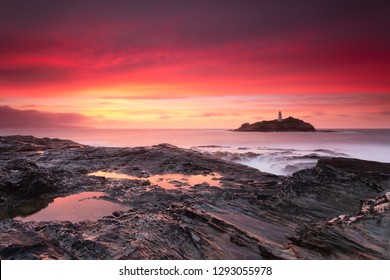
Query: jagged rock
[[24, 178], [364, 235]]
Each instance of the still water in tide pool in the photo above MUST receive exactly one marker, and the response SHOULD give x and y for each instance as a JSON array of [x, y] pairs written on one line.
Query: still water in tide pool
[[92, 205], [167, 181], [74, 208]]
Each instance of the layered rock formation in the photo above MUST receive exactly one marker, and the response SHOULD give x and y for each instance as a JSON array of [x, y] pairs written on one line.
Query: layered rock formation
[[336, 210], [289, 124]]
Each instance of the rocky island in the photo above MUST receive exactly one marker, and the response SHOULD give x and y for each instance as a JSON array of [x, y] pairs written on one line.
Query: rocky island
[[178, 203], [279, 125]]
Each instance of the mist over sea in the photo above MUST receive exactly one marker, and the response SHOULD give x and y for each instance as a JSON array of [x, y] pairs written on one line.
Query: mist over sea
[[280, 153]]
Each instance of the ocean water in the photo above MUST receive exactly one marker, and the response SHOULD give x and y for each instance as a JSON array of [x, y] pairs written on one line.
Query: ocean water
[[276, 152]]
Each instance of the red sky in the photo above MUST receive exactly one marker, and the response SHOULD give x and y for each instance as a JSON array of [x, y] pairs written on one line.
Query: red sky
[[194, 64]]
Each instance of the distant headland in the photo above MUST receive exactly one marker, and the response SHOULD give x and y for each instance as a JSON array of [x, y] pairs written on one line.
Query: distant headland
[[278, 125]]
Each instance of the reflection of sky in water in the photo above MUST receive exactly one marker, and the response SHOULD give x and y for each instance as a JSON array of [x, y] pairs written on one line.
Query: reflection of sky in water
[[167, 181], [75, 208]]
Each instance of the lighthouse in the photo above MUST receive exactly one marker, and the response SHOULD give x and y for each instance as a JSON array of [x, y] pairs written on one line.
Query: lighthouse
[[280, 116]]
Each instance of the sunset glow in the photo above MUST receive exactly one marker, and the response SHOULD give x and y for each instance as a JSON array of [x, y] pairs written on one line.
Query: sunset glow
[[182, 64]]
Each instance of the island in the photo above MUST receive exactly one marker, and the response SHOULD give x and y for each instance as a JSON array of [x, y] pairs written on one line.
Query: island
[[279, 125], [178, 203]]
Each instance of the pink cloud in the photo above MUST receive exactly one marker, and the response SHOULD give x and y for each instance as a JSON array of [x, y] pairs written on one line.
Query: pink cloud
[[216, 114]]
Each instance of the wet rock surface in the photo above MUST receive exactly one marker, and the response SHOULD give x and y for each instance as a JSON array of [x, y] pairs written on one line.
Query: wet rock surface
[[337, 210]]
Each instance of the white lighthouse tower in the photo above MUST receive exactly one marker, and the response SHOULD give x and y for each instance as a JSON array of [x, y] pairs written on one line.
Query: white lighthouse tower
[[280, 116]]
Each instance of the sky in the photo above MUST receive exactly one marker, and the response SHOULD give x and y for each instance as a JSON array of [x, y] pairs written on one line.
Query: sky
[[194, 64]]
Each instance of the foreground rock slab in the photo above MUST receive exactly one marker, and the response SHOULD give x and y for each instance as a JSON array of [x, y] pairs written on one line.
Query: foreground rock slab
[[337, 210]]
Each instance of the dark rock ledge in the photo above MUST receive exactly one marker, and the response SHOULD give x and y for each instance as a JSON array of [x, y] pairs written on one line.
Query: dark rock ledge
[[339, 209]]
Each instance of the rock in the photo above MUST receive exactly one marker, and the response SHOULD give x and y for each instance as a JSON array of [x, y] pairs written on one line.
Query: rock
[[335, 186], [363, 236], [355, 165], [290, 168], [24, 178], [289, 124], [338, 209]]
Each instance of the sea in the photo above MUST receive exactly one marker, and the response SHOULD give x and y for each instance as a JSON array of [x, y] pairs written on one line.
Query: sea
[[280, 153]]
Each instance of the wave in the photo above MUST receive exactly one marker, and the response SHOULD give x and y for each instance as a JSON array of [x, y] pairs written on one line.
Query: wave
[[279, 161]]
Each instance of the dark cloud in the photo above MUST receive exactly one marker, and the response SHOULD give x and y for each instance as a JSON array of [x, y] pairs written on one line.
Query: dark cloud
[[35, 75], [28, 106], [193, 24], [14, 118], [112, 37], [197, 18], [384, 113]]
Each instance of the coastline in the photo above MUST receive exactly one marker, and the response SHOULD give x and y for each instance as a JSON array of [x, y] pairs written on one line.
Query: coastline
[[248, 214], [274, 152]]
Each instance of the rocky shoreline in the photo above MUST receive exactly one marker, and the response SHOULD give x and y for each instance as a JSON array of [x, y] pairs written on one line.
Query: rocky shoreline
[[339, 209]]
